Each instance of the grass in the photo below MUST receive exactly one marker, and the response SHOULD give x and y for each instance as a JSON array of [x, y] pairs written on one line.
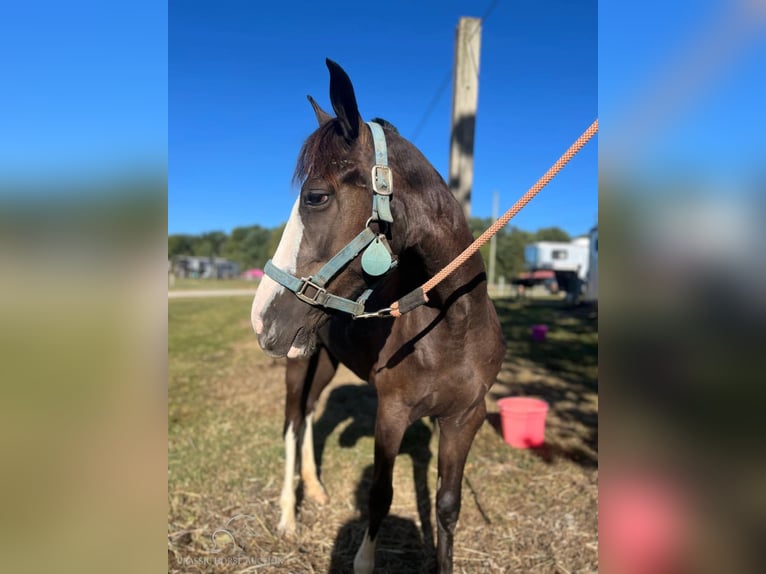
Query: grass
[[523, 510], [185, 283]]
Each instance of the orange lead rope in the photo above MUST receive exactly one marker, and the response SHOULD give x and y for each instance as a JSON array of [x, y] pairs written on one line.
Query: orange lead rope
[[420, 295]]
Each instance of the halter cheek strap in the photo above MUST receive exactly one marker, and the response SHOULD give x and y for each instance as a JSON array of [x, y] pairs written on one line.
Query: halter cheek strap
[[311, 289], [382, 186]]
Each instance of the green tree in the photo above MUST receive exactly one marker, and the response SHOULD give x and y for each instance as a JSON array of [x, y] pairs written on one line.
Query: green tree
[[276, 235], [251, 246], [510, 252], [211, 243], [180, 245], [552, 234], [256, 246]]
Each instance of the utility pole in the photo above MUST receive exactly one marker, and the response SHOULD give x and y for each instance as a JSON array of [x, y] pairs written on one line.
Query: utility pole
[[465, 95], [493, 241]]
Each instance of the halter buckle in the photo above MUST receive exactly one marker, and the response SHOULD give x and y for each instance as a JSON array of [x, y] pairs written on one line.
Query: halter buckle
[[381, 174], [306, 282]]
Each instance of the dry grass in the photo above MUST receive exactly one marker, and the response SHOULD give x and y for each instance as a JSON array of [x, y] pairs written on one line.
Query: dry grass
[[523, 510]]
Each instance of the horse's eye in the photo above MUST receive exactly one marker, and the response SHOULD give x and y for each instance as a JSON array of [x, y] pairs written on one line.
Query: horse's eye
[[316, 198]]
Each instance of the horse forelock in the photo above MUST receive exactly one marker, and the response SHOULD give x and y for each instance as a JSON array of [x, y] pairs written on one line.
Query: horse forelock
[[324, 154]]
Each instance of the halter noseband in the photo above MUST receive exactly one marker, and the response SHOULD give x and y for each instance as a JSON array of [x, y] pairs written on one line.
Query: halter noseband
[[376, 259]]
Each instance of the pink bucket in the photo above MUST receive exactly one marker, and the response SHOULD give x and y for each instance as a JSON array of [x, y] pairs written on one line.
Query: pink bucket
[[523, 421], [539, 332]]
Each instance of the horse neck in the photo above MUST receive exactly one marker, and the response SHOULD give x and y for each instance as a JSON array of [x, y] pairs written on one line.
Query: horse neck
[[438, 235]]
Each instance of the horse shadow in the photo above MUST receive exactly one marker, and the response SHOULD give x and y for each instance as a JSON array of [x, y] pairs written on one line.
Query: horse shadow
[[402, 546], [572, 360], [549, 453], [574, 434]]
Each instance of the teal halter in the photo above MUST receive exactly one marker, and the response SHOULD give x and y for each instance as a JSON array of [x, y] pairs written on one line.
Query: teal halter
[[376, 260]]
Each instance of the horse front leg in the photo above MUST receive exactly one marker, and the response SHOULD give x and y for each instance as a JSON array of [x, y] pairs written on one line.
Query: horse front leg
[[390, 424], [320, 374], [313, 488], [305, 379], [455, 438], [294, 414]]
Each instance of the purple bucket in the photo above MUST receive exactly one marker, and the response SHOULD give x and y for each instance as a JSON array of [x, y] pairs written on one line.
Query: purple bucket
[[539, 332]]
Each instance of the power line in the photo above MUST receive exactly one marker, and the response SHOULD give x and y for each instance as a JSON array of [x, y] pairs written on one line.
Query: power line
[[445, 82], [431, 106], [488, 11]]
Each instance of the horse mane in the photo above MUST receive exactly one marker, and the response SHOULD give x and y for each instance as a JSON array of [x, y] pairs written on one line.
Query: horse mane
[[385, 124], [320, 152]]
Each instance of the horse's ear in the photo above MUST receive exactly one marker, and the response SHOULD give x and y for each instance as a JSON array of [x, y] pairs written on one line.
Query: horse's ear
[[344, 101], [322, 116]]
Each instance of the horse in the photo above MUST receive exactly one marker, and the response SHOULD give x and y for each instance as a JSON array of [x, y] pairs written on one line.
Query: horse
[[373, 221]]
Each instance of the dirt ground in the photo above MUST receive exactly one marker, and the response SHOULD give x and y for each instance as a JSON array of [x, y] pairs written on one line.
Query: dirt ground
[[531, 510]]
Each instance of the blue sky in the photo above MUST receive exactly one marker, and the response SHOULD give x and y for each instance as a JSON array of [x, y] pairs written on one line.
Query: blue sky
[[708, 127], [239, 73], [89, 91], [84, 90]]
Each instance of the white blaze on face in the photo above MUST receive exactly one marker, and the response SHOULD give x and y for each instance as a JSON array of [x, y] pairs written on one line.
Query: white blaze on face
[[285, 258]]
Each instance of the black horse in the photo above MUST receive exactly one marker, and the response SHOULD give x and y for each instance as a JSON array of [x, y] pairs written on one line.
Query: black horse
[[439, 359]]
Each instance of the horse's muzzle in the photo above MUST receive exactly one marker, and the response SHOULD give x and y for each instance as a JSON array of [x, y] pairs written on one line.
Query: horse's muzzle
[[279, 344]]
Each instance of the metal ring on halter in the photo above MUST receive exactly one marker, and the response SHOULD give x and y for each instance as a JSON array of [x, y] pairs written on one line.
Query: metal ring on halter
[[383, 224]]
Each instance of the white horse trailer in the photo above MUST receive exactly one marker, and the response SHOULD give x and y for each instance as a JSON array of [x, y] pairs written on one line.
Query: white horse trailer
[[569, 261], [591, 285]]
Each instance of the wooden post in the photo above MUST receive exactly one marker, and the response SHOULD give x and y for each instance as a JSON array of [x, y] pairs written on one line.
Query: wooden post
[[465, 94]]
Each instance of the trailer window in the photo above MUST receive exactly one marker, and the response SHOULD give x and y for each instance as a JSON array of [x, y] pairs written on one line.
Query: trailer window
[[559, 254]]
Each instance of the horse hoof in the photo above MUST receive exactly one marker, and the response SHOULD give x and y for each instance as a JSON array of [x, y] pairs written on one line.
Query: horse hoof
[[286, 528], [317, 495]]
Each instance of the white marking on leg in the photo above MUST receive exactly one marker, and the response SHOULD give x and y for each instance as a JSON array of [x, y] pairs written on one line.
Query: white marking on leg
[[311, 485], [287, 500], [286, 258], [364, 562]]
